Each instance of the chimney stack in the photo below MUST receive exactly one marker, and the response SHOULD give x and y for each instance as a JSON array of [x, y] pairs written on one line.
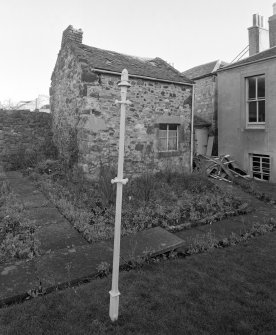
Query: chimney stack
[[258, 35], [71, 35], [272, 27]]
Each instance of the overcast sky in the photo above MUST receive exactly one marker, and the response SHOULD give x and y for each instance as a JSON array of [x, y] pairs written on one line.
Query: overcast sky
[[186, 33]]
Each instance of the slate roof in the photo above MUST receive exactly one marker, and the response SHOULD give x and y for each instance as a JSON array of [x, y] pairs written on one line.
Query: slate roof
[[204, 69], [155, 68], [200, 122], [258, 57]]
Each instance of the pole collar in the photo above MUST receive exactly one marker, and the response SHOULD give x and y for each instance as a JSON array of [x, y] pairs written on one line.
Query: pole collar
[[114, 294], [127, 102], [117, 180]]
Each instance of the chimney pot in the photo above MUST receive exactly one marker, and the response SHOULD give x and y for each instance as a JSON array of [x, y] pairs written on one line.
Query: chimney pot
[[71, 35], [258, 36], [258, 21], [272, 27]]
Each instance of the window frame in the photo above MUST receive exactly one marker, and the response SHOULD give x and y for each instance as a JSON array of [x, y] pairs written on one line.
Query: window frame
[[256, 99], [262, 169], [167, 137]]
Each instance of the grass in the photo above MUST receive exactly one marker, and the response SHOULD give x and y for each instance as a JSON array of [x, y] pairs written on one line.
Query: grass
[[226, 291], [17, 239], [261, 190]]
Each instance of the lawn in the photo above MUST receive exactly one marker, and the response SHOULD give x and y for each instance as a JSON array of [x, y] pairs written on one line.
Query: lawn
[[169, 200], [225, 291]]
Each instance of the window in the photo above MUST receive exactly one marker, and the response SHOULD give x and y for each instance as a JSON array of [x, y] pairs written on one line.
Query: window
[[168, 137], [256, 100], [260, 166]]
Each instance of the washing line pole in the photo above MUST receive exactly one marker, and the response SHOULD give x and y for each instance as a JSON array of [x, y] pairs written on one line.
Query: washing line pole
[[114, 293]]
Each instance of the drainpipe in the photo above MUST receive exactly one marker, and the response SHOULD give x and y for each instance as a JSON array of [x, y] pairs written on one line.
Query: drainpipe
[[192, 129]]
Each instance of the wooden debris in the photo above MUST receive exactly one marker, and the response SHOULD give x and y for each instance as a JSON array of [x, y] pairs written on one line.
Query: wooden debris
[[219, 167]]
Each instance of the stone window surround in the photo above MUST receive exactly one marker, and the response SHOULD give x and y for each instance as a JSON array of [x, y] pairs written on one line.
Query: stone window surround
[[167, 137], [168, 120]]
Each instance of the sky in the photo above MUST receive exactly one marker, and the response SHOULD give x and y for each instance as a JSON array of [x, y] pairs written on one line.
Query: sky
[[185, 33]]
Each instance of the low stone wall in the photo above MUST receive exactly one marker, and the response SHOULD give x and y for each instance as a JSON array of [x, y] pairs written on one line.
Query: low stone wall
[[21, 130]]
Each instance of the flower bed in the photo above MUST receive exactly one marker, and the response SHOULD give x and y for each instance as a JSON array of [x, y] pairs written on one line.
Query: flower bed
[[169, 200]]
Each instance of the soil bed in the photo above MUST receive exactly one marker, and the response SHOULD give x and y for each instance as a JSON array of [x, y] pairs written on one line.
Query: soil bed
[[170, 200]]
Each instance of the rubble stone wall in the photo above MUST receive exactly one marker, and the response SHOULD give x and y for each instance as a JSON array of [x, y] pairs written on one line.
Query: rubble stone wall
[[21, 129], [205, 99], [205, 105], [83, 107]]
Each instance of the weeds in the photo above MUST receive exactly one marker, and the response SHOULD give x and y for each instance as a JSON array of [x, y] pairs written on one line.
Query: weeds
[[28, 157], [103, 269], [107, 189], [17, 239], [250, 187]]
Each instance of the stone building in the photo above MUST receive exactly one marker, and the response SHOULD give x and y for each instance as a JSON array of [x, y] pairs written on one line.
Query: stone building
[[247, 104], [86, 119], [205, 105]]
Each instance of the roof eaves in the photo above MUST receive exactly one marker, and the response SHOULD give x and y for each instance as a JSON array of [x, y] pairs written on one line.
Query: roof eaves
[[186, 81], [190, 82], [205, 76], [230, 67]]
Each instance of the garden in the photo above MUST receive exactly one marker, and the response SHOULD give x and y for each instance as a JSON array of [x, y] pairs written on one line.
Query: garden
[[170, 200], [173, 201]]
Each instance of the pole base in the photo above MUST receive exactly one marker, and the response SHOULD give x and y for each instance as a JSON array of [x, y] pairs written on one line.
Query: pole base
[[114, 305]]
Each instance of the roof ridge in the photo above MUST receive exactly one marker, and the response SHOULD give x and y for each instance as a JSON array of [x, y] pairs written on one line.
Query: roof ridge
[[118, 53], [217, 65], [214, 61]]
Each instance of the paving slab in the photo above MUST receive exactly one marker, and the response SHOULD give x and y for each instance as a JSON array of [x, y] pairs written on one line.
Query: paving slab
[[152, 241], [22, 186], [75, 264], [58, 236], [13, 174], [34, 200], [16, 279], [224, 228], [43, 216]]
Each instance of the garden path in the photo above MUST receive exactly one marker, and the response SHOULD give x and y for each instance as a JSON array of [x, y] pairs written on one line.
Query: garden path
[[66, 258]]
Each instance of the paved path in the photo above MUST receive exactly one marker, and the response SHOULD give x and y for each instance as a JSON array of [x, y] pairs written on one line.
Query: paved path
[[67, 258], [52, 229]]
